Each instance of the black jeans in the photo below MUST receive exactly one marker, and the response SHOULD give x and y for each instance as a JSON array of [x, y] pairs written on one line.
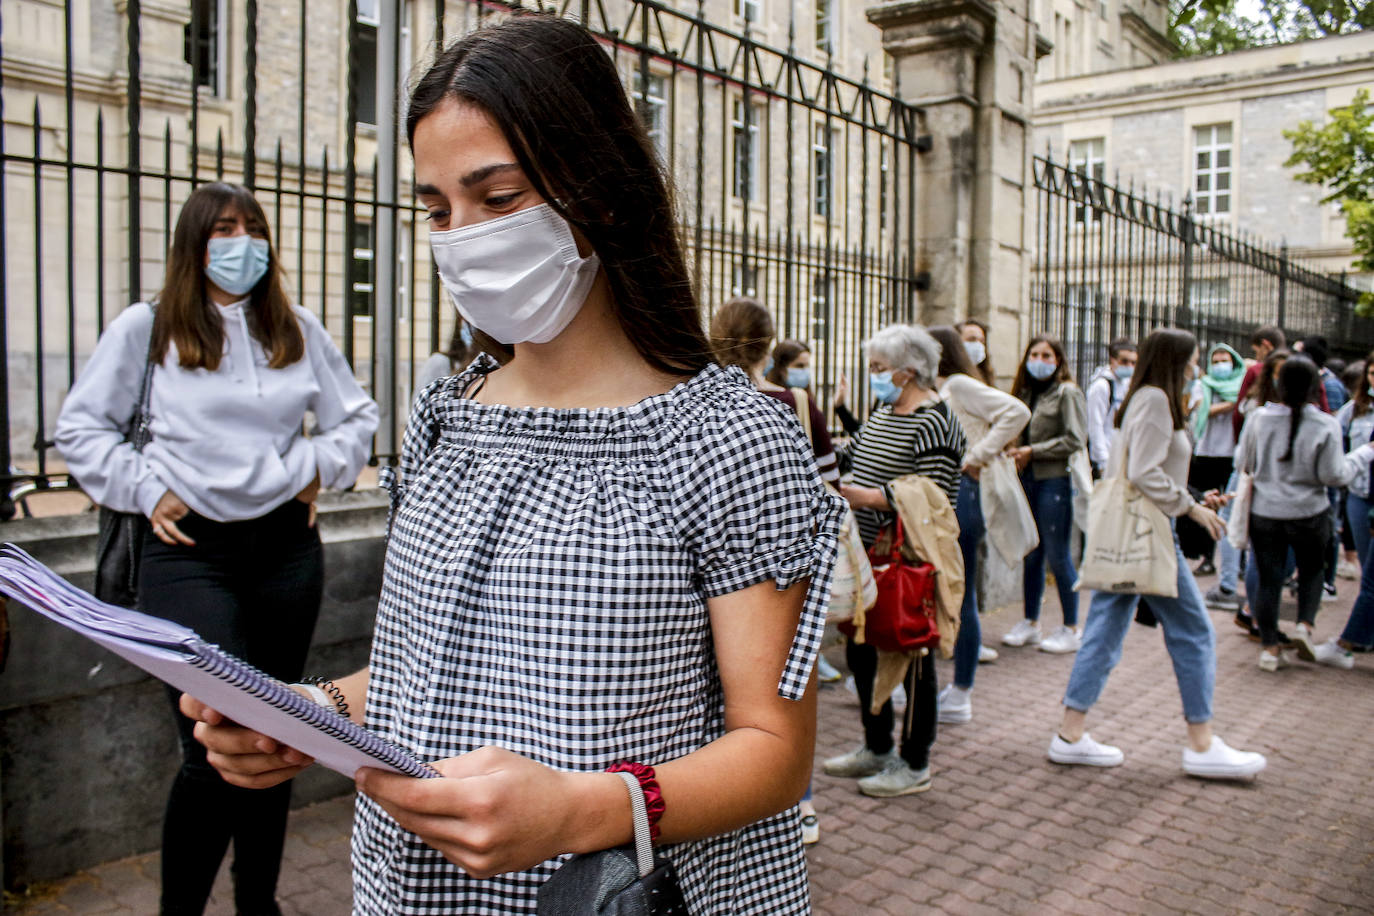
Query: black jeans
[[918, 722], [254, 588], [1271, 539]]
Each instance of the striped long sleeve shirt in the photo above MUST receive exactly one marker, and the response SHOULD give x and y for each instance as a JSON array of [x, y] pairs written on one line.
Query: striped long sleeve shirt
[[928, 442]]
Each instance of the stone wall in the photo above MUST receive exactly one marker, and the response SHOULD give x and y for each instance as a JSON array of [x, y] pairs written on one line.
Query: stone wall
[[87, 745]]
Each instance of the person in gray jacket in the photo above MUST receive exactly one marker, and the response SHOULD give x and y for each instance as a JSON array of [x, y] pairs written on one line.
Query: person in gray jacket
[[1294, 451], [1057, 429]]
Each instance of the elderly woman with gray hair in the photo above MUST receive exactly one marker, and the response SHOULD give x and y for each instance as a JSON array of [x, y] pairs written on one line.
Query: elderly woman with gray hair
[[913, 432]]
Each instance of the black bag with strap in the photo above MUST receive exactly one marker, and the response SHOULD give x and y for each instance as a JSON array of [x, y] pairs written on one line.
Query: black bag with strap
[[119, 547]]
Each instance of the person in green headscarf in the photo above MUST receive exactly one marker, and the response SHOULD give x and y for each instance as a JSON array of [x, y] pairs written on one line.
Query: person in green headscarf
[[1214, 438]]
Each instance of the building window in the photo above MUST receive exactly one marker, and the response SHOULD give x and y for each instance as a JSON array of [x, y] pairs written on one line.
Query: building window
[[744, 131], [366, 38], [884, 171], [1102, 10], [748, 10], [1212, 170], [1088, 158], [825, 41], [1209, 298], [745, 281], [823, 170], [362, 292], [653, 108], [822, 297], [208, 42]]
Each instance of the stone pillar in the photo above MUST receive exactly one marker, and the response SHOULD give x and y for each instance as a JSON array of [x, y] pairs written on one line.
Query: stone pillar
[[969, 65]]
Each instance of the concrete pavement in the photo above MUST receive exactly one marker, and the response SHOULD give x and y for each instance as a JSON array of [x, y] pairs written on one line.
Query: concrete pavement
[[1005, 831]]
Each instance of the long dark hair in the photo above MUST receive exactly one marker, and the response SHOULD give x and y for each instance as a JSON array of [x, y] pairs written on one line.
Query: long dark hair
[[185, 315], [985, 370], [954, 358], [784, 355], [1359, 391], [1266, 387], [1163, 364], [1298, 379], [1062, 374], [741, 331], [555, 94]]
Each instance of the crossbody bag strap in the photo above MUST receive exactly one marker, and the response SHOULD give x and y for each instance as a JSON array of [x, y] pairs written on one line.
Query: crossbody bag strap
[[138, 430], [644, 850]]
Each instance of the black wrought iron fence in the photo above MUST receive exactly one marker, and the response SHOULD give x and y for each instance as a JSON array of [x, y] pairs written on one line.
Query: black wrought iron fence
[[1112, 262], [796, 181]]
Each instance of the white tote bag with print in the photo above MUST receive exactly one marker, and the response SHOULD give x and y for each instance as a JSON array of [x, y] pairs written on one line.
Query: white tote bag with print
[[1130, 546]]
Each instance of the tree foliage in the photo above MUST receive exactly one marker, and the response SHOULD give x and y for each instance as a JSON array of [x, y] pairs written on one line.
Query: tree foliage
[[1339, 156], [1203, 27]]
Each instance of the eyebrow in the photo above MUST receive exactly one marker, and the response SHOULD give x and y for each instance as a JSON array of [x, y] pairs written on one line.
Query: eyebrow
[[470, 179]]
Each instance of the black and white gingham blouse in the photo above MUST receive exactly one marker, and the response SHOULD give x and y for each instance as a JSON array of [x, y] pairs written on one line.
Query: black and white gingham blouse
[[545, 591]]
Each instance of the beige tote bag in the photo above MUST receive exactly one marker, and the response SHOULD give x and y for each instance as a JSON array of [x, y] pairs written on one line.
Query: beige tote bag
[[1130, 546]]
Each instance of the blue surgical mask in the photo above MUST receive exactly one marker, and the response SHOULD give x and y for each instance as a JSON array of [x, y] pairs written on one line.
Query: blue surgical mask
[[1370, 389], [1039, 369], [1221, 371], [883, 388], [1123, 373], [798, 378], [465, 334], [768, 366], [237, 263]]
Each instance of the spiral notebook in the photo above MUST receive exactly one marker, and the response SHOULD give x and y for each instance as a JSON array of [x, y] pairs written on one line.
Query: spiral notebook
[[176, 655]]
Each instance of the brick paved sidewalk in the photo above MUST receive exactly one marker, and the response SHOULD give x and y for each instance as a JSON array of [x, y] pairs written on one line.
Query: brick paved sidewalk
[[1005, 831]]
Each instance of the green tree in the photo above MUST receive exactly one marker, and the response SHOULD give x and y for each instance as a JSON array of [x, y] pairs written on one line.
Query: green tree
[[1339, 156], [1203, 27]]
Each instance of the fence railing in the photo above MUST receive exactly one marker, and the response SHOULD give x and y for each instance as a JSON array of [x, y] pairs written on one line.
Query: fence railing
[[1113, 262], [796, 181]]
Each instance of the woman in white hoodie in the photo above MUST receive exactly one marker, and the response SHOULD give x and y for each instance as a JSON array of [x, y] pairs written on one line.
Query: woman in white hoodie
[[228, 481], [991, 420]]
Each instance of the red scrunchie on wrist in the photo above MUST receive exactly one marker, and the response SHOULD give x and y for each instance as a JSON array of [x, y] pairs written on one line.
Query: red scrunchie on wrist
[[653, 796]]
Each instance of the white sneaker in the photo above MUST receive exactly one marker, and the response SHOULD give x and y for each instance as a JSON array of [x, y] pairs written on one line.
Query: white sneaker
[[1026, 632], [1302, 642], [1085, 752], [1347, 570], [859, 762], [1329, 593], [811, 830], [897, 778], [1274, 662], [1334, 654], [954, 705], [1062, 641], [986, 654], [826, 672], [1222, 762]]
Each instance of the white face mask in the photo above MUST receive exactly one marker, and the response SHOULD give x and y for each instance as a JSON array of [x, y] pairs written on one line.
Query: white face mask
[[976, 351], [519, 278]]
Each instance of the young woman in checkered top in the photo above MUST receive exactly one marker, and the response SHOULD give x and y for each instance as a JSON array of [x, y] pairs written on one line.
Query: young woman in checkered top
[[576, 572]]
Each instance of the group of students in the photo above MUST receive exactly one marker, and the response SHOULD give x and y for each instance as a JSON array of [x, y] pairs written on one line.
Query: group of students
[[577, 582]]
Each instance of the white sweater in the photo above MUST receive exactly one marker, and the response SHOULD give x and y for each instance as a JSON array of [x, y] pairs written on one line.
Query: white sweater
[[229, 443], [991, 419], [1156, 454]]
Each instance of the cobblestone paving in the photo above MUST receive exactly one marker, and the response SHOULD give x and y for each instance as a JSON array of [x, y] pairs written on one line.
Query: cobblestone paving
[[1005, 831]]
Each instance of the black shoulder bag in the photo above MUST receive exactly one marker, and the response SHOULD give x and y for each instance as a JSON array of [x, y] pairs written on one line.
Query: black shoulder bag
[[625, 881], [119, 549]]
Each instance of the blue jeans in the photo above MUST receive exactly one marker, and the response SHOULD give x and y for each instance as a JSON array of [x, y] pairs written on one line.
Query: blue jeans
[[1359, 629], [1188, 635], [1230, 556], [968, 509], [1357, 511], [1051, 502]]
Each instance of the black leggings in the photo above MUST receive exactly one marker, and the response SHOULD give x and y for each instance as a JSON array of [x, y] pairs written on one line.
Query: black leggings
[[1271, 539], [254, 588], [918, 723]]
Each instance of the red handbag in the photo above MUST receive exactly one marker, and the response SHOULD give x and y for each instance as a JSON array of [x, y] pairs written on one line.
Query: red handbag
[[903, 618]]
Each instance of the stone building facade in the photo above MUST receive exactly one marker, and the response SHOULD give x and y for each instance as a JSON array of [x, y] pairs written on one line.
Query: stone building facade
[[1212, 129]]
